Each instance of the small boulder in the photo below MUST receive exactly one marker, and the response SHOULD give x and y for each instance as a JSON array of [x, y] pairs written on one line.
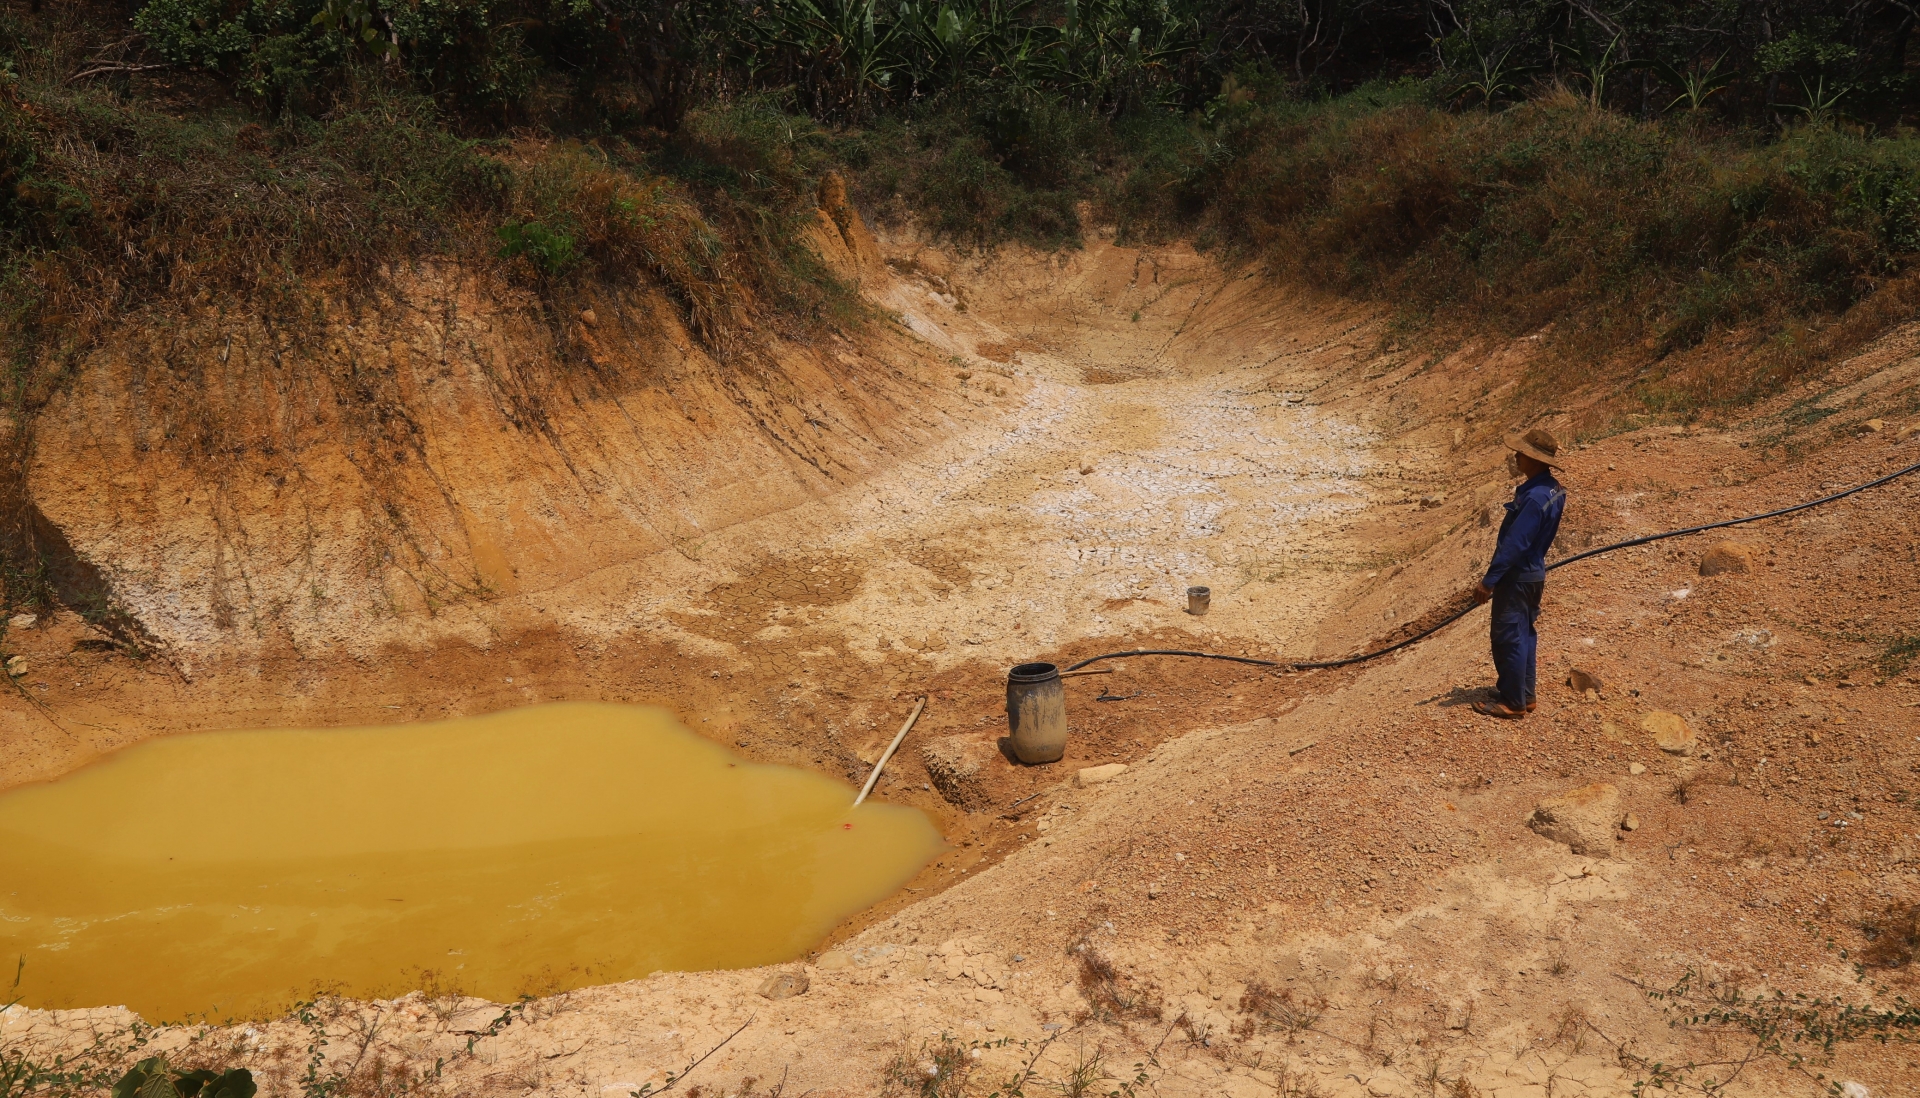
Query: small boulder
[[22, 621], [785, 985], [1876, 425], [1727, 556], [1636, 769], [1586, 819], [833, 960], [1094, 775], [1631, 823], [1583, 681], [17, 666], [1670, 732], [957, 767]]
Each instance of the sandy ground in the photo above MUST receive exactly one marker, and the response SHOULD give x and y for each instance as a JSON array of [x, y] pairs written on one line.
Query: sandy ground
[[1304, 883]]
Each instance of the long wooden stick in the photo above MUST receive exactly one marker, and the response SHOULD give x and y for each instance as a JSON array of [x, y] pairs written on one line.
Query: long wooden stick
[[1087, 671], [891, 748]]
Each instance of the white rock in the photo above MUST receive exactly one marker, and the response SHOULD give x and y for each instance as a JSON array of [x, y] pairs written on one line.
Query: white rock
[[1670, 732], [1585, 818], [784, 985], [1094, 775]]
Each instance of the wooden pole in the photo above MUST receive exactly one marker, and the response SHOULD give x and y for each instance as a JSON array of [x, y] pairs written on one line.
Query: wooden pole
[[891, 748]]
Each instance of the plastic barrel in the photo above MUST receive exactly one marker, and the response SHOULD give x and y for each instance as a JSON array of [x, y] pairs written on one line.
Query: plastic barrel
[[1036, 713]]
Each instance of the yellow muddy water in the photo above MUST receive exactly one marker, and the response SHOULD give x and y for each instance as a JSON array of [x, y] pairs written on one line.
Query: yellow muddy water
[[229, 874]]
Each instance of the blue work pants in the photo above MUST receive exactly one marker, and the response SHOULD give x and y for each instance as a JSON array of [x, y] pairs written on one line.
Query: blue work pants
[[1516, 605]]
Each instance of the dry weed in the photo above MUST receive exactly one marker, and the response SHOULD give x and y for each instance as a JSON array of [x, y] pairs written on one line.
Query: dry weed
[[1570, 1025], [1112, 995], [1281, 1011], [1289, 1084]]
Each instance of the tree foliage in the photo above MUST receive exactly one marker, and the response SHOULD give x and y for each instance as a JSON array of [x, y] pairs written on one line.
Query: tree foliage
[[622, 62]]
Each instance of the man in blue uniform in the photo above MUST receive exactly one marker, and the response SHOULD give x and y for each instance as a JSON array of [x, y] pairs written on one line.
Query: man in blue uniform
[[1518, 574]]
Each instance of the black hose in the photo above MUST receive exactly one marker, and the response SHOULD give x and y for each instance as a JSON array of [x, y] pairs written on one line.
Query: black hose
[[1173, 652], [1315, 665]]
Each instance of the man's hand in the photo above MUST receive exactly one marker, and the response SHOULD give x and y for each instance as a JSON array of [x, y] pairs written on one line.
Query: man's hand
[[1480, 592]]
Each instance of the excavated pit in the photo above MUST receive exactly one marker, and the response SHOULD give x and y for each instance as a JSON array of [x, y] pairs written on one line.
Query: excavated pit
[[1316, 883]]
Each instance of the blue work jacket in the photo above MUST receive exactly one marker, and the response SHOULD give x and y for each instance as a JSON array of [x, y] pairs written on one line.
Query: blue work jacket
[[1533, 518]]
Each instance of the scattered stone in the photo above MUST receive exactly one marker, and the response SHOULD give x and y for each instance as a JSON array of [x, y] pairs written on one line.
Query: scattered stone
[[22, 621], [1086, 468], [1636, 769], [1630, 823], [785, 985], [1727, 556], [1670, 733], [833, 960], [1852, 1089], [1459, 437], [1428, 503], [1585, 818], [588, 317], [1583, 681], [956, 765], [17, 666], [1876, 425], [1153, 890], [1094, 775]]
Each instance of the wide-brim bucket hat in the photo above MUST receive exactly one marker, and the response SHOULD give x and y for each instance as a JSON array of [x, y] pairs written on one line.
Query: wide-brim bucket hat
[[1538, 444]]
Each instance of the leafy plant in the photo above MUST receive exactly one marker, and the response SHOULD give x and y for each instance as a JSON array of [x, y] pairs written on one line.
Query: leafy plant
[[1823, 99], [1596, 67], [550, 252], [1696, 84], [1899, 654], [155, 1078], [1492, 80], [1791, 1028]]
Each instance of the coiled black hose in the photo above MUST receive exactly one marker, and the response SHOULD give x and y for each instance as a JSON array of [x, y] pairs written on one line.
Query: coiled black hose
[[1313, 665]]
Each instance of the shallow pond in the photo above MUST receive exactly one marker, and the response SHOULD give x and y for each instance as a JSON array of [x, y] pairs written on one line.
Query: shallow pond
[[229, 874]]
